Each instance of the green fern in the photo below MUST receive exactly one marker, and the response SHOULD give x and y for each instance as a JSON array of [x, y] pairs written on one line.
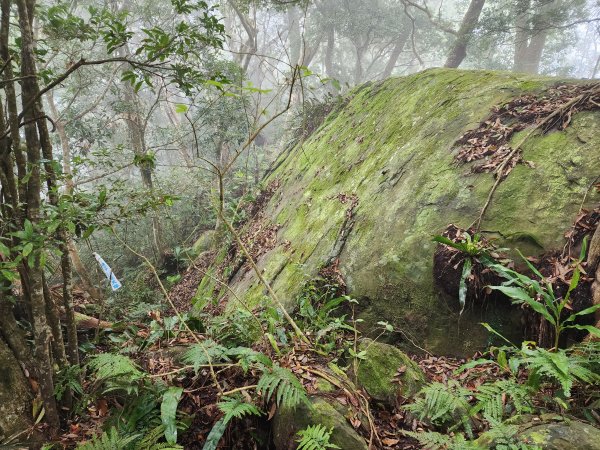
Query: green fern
[[109, 440], [559, 367], [151, 440], [236, 408], [315, 437], [111, 365], [503, 436], [199, 354], [443, 405], [247, 357], [233, 408], [430, 440], [280, 381], [115, 372], [493, 399]]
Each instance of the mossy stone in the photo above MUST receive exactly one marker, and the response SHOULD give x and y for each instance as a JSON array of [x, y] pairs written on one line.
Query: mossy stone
[[205, 242], [386, 372], [553, 433], [329, 413], [392, 146]]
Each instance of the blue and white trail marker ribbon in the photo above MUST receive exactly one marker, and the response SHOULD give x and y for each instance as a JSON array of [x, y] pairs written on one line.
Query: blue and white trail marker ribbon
[[114, 283]]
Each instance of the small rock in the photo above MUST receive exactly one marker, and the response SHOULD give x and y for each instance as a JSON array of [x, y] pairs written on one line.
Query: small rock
[[387, 372]]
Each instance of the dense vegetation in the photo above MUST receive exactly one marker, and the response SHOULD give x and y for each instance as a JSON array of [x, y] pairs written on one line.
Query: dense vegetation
[[149, 138]]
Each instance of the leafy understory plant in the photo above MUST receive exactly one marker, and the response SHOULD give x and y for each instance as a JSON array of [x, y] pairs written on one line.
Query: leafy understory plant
[[315, 437], [540, 296], [444, 406], [233, 408], [474, 249]]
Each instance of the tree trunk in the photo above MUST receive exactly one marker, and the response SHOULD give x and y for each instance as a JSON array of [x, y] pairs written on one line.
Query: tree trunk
[[530, 36], [42, 335], [176, 123], [396, 52], [329, 53], [458, 51]]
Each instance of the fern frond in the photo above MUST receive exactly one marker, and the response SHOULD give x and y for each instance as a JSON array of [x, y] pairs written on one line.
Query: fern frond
[[494, 398], [248, 357], [112, 365], [109, 440], [561, 368], [444, 405], [280, 381], [430, 440], [198, 355], [315, 437], [235, 408]]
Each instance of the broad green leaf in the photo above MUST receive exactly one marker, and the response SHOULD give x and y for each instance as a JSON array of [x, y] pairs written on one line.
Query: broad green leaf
[[502, 361], [521, 296], [589, 328], [488, 327], [471, 364], [4, 250], [168, 412], [573, 284], [531, 266], [584, 312], [27, 249], [213, 438]]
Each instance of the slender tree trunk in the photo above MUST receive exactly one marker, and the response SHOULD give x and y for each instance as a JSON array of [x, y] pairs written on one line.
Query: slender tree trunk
[[329, 53], [358, 66], [396, 52], [136, 138], [58, 347], [294, 35], [530, 36], [42, 334], [458, 51], [176, 123]]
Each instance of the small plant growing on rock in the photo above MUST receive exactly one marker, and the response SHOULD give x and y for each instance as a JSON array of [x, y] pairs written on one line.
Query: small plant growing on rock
[[315, 437], [471, 250]]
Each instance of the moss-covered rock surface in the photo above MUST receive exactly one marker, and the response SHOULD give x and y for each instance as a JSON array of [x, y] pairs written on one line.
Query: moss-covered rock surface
[[330, 414], [385, 372], [392, 147], [552, 433]]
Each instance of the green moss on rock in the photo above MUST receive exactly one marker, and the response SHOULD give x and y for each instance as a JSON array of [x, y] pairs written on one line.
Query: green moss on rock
[[554, 433], [392, 146], [386, 372], [287, 422]]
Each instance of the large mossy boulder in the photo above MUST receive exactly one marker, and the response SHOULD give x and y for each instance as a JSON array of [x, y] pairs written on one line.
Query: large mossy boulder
[[392, 147], [386, 373], [330, 414]]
